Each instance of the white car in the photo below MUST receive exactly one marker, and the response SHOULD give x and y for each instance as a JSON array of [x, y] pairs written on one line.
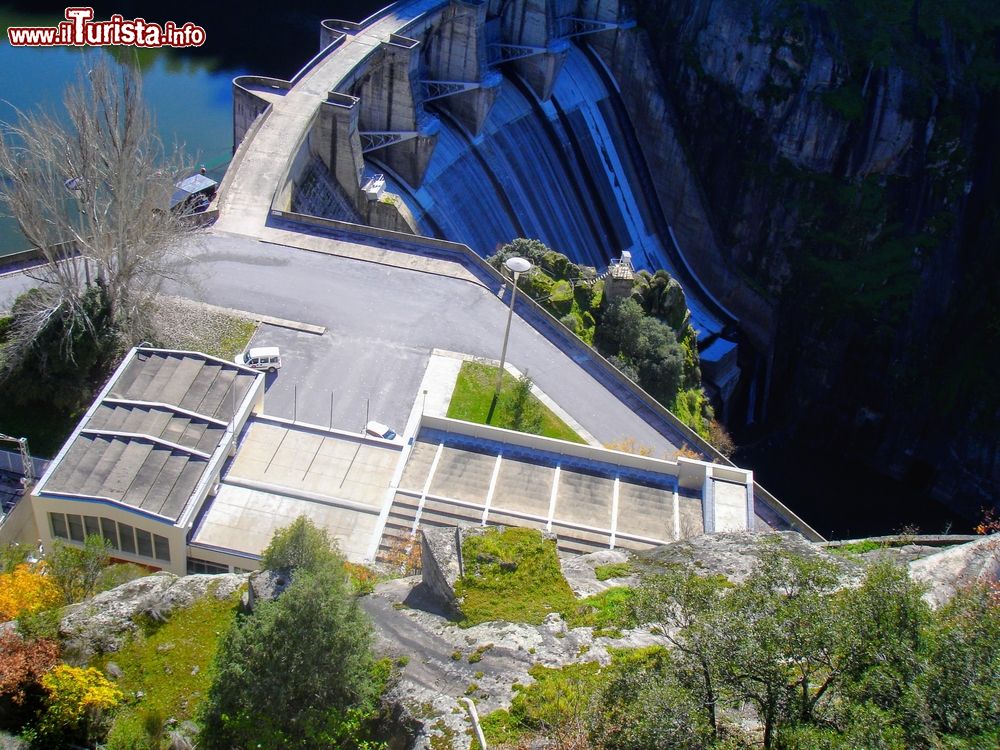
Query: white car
[[260, 358], [377, 429]]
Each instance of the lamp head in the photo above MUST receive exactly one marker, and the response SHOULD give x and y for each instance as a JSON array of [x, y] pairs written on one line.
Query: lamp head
[[518, 265]]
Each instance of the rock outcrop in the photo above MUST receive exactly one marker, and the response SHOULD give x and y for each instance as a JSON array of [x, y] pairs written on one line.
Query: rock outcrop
[[948, 570], [103, 623], [848, 169]]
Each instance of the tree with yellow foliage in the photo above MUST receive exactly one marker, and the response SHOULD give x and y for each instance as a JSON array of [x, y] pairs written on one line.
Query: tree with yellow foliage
[[26, 590], [78, 696]]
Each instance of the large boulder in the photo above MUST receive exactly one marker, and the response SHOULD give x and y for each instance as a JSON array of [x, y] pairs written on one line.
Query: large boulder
[[734, 554], [951, 569], [265, 586]]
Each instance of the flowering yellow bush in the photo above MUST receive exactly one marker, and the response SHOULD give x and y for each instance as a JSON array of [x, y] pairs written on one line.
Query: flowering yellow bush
[[26, 590], [75, 692]]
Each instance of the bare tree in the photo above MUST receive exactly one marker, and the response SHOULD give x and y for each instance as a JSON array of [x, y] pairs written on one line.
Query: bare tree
[[92, 192]]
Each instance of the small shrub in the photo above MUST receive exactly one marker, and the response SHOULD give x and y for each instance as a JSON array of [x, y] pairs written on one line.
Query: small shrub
[[403, 555], [613, 570], [477, 655], [572, 322], [76, 699], [362, 577], [26, 590]]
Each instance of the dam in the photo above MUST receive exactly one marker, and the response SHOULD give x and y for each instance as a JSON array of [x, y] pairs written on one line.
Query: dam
[[481, 121]]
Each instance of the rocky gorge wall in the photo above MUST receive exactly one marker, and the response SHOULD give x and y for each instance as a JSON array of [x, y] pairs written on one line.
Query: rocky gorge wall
[[843, 176]]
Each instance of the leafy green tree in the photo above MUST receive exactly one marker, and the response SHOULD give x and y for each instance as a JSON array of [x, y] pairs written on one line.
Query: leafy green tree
[[300, 545], [523, 411], [773, 634], [683, 606], [881, 636], [298, 672], [76, 570], [962, 679], [67, 353], [652, 707]]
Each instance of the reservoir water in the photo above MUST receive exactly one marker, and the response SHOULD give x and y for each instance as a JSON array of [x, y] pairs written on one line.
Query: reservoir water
[[189, 90]]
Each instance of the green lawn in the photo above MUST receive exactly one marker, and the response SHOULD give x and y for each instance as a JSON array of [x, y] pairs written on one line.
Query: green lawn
[[171, 665], [474, 392]]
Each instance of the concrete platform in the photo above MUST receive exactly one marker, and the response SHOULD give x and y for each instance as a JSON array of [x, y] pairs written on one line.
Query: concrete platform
[[332, 465], [244, 519]]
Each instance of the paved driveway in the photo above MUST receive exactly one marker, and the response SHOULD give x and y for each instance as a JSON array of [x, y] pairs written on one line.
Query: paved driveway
[[382, 324]]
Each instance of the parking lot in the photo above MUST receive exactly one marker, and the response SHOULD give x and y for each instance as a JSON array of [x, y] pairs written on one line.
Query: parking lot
[[347, 373]]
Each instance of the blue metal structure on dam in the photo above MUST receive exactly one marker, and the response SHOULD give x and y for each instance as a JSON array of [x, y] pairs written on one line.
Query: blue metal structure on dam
[[489, 120]]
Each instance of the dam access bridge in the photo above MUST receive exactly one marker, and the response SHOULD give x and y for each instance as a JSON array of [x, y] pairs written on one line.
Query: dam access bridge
[[439, 122]]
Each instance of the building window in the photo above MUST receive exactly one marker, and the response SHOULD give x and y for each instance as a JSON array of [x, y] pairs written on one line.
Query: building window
[[143, 543], [127, 535], [121, 536], [204, 566], [58, 523], [91, 525], [75, 527], [162, 547], [243, 570], [109, 532]]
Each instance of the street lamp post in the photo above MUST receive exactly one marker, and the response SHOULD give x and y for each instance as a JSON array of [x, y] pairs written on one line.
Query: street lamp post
[[516, 266]]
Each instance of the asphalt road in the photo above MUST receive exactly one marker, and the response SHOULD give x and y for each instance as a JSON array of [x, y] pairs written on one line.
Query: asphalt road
[[382, 323]]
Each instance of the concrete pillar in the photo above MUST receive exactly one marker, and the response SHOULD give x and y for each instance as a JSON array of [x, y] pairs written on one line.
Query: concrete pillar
[[609, 11], [455, 49], [533, 23], [391, 102], [335, 140]]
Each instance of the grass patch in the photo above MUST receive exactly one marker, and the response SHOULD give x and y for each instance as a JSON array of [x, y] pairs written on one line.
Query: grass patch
[[607, 611], [856, 548], [613, 570], [186, 325], [473, 394], [171, 666], [511, 575]]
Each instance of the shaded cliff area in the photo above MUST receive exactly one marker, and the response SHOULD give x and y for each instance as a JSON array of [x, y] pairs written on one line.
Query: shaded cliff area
[[845, 158]]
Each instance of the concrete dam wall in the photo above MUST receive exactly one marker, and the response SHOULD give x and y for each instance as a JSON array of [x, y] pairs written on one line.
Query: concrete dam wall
[[479, 122]]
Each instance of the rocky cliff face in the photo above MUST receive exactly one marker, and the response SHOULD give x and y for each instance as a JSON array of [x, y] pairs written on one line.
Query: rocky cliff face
[[844, 160]]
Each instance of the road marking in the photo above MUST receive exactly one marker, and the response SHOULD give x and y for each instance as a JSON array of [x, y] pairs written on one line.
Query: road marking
[[677, 515], [427, 488]]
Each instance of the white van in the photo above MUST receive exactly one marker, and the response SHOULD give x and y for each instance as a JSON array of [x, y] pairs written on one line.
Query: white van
[[260, 358]]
